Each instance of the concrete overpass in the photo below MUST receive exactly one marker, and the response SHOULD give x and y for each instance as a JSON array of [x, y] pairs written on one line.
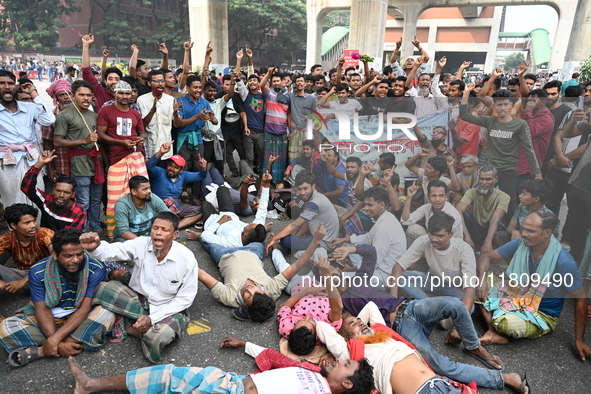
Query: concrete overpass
[[209, 22]]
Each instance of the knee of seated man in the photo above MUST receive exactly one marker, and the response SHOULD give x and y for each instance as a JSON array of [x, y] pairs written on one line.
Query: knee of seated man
[[511, 325]]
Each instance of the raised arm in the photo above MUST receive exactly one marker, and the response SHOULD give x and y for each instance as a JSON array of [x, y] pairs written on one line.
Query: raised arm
[[361, 91], [394, 57], [104, 64], [523, 90], [413, 71], [164, 50], [424, 53], [206, 63], [133, 61], [483, 95], [463, 67], [319, 234], [411, 163], [188, 45], [455, 185], [440, 65], [87, 41], [265, 80], [340, 64]]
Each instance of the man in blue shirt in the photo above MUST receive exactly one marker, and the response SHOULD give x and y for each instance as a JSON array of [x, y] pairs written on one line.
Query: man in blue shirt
[[61, 320], [336, 189], [168, 183], [18, 134], [254, 107], [189, 120], [526, 302]]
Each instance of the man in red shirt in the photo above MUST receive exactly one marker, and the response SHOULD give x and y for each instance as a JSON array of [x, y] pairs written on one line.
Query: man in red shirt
[[122, 129]]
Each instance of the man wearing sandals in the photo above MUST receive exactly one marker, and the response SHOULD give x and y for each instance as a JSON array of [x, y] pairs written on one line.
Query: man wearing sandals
[[61, 320]]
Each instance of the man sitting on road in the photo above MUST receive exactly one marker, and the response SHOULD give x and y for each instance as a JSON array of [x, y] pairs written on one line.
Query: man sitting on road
[[161, 289], [60, 320], [59, 209], [483, 209], [27, 244], [279, 375], [531, 311], [134, 211]]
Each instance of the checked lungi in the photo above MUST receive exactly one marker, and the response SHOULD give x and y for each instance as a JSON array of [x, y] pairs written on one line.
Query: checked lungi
[[169, 379], [276, 145], [296, 137], [122, 300], [118, 183], [25, 331]]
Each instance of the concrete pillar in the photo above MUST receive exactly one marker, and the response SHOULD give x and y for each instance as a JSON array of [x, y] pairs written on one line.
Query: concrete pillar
[[491, 54], [208, 20], [368, 27], [579, 44], [411, 15], [567, 14], [315, 16]]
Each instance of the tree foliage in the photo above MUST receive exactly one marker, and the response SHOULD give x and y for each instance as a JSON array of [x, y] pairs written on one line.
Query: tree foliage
[[32, 24], [513, 61], [337, 18], [256, 22], [585, 70]]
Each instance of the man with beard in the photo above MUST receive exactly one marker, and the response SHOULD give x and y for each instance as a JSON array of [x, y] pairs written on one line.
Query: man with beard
[[60, 320], [426, 102], [406, 68], [60, 92], [533, 309], [18, 135], [134, 211], [26, 243], [59, 209], [318, 210], [123, 130], [167, 183], [400, 365], [300, 106], [483, 208], [436, 145], [280, 374], [334, 187], [559, 111], [163, 284], [75, 129], [112, 75], [157, 110], [468, 177]]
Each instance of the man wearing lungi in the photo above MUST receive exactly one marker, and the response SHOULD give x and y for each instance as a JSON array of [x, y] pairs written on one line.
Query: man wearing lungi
[[280, 374], [60, 321], [18, 135], [162, 287], [122, 129]]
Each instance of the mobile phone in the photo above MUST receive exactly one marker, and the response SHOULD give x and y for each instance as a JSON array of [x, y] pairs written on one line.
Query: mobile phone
[[581, 102]]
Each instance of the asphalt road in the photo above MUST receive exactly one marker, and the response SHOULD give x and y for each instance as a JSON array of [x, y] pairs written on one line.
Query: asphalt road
[[550, 362]]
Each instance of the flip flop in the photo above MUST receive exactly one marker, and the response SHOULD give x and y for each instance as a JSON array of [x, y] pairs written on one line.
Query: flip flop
[[26, 357], [524, 383], [484, 360]]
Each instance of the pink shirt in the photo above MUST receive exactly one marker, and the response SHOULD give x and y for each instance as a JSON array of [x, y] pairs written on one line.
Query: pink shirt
[[540, 128], [316, 307]]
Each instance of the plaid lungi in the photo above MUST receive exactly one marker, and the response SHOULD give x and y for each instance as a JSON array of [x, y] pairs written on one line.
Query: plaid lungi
[[25, 331], [122, 300], [276, 145], [357, 224], [516, 327], [169, 379], [118, 183], [296, 137]]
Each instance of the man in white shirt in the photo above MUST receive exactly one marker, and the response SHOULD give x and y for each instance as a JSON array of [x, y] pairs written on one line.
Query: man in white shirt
[[386, 235], [157, 114], [437, 195], [280, 374], [162, 287]]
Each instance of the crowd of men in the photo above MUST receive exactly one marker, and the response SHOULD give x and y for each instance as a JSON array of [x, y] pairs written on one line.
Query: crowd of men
[[120, 164]]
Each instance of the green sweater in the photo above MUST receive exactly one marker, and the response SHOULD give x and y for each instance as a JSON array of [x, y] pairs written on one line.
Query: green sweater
[[502, 141]]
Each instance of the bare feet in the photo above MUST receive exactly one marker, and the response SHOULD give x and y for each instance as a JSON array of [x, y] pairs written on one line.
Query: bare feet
[[194, 235], [40, 354], [482, 352], [269, 226], [493, 337], [514, 381], [131, 330], [81, 377]]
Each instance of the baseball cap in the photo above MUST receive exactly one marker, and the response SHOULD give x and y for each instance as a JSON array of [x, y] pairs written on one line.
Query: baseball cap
[[576, 75], [178, 160]]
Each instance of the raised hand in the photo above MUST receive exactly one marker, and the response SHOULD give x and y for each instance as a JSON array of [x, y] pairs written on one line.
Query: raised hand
[[188, 45], [202, 162], [239, 54], [323, 265], [87, 39], [470, 86], [46, 157], [208, 49], [341, 253], [341, 61], [248, 51], [105, 52], [442, 62], [320, 232], [497, 72], [416, 43], [177, 105], [135, 48], [399, 44], [412, 189], [267, 178], [90, 241], [451, 162], [165, 148], [424, 152], [273, 159], [465, 65], [162, 48], [523, 67]]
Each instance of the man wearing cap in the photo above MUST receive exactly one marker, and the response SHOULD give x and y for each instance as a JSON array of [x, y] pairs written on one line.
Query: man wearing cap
[[168, 183], [574, 81], [122, 129], [60, 91]]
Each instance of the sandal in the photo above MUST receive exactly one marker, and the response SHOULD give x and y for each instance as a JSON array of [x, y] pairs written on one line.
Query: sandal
[[524, 383], [26, 357], [484, 360], [184, 197]]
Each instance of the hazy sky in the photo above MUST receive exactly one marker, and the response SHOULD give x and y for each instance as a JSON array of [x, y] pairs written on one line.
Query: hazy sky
[[525, 18]]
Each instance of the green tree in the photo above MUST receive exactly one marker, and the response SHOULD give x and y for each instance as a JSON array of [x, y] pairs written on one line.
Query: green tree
[[585, 70], [257, 21], [513, 61], [337, 18], [32, 24]]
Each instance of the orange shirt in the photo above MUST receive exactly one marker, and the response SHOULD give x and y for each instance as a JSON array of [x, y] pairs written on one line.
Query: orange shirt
[[25, 257]]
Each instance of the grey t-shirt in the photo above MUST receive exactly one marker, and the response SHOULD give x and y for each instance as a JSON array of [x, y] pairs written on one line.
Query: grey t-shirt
[[69, 124], [320, 210]]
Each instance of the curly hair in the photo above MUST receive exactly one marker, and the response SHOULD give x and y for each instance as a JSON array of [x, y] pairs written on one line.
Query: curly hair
[[262, 308], [301, 341], [362, 379]]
